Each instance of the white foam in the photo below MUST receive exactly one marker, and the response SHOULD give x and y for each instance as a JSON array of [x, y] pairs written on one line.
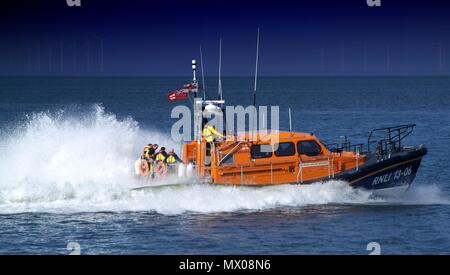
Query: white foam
[[422, 194]]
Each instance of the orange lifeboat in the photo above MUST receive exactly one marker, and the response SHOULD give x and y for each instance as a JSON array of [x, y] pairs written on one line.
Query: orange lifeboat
[[288, 157]]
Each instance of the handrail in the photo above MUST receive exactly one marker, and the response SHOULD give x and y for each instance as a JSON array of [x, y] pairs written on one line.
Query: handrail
[[251, 164], [357, 159], [344, 147], [231, 152], [300, 172], [317, 163], [394, 136], [226, 146], [392, 141]]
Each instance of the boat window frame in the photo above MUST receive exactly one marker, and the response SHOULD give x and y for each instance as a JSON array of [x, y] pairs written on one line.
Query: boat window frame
[[226, 160], [277, 145], [261, 157], [309, 140]]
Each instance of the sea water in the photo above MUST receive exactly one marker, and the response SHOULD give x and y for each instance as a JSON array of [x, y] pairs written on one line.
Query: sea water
[[67, 148]]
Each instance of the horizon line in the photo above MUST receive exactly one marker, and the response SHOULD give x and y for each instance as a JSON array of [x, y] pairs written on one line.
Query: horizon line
[[226, 76]]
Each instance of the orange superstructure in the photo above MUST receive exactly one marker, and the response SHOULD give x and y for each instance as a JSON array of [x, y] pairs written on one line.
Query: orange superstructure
[[293, 158]]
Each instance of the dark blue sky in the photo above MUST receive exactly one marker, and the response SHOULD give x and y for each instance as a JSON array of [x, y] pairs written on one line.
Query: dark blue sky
[[314, 37]]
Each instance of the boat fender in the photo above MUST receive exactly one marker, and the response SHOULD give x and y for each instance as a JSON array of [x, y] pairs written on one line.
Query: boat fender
[[189, 170], [181, 170], [137, 163], [144, 168], [160, 168]]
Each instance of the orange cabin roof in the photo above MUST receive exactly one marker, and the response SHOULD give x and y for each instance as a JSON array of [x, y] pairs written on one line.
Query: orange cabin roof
[[267, 136]]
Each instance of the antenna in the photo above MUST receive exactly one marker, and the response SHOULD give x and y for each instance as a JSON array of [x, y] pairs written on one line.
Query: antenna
[[220, 69], [256, 69], [194, 77], [255, 119], [290, 120], [194, 68], [203, 74]]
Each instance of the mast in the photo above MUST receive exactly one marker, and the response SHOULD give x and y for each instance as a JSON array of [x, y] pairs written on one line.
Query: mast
[[194, 77], [194, 68], [256, 69], [203, 74], [255, 119], [220, 70], [290, 120]]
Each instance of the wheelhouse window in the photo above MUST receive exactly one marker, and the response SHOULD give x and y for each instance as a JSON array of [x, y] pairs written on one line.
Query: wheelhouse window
[[229, 159], [261, 151], [309, 147], [285, 149]]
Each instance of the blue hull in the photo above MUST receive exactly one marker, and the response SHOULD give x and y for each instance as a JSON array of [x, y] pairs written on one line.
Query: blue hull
[[399, 170], [398, 175]]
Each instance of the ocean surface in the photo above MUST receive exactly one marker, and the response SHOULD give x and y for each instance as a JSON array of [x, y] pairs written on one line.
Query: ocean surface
[[67, 147]]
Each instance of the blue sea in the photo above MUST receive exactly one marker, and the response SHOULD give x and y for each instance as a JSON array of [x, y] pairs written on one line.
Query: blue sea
[[67, 148]]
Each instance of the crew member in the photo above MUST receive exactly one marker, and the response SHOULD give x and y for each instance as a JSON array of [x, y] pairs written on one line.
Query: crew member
[[209, 133], [152, 152], [172, 158], [151, 156], [162, 154], [146, 150]]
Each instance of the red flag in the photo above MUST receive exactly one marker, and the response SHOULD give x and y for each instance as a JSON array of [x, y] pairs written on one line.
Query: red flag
[[178, 95], [182, 93]]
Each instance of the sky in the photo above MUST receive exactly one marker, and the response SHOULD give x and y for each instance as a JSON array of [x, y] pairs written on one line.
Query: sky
[[159, 38]]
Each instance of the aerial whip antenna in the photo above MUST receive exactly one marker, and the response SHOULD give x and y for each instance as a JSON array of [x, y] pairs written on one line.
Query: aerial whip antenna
[[203, 74], [290, 120], [256, 69], [255, 119], [220, 69], [194, 69], [194, 76]]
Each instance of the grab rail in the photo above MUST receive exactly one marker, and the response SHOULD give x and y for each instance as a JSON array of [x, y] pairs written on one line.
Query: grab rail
[[231, 152], [302, 165], [393, 139]]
